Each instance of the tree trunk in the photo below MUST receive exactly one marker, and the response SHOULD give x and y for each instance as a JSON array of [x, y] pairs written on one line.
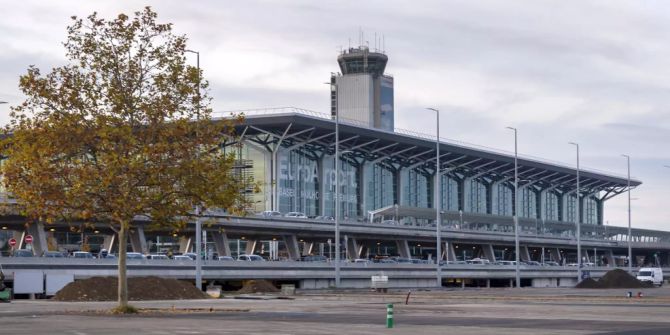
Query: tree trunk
[[123, 279]]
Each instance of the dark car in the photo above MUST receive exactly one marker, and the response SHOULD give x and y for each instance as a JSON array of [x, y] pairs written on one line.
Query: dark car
[[23, 253], [53, 254]]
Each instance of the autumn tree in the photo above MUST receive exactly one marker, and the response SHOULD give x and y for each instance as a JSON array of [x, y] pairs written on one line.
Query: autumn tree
[[122, 132]]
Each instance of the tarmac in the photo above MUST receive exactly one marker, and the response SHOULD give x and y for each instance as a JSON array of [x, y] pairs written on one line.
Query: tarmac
[[445, 311]]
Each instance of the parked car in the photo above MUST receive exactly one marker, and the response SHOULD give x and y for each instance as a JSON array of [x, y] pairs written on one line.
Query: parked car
[[250, 258], [226, 258], [53, 254], [533, 263], [23, 253], [298, 215], [505, 263], [456, 262], [651, 275], [325, 217], [315, 258], [82, 254], [191, 255], [361, 260], [269, 213], [386, 261], [157, 257], [478, 261], [551, 263], [135, 255], [182, 258], [401, 260]]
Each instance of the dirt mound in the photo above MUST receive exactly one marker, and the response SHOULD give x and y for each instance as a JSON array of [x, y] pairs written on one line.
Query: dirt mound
[[588, 283], [258, 286], [616, 278], [139, 288]]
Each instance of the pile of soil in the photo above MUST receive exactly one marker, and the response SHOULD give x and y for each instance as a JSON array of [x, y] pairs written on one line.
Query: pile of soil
[[588, 283], [139, 288], [257, 286], [616, 278]]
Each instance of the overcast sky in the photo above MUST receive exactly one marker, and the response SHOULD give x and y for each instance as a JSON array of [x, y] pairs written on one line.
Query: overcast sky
[[592, 72]]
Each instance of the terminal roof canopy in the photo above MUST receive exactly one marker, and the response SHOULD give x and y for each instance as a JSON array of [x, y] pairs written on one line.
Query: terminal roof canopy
[[314, 135]]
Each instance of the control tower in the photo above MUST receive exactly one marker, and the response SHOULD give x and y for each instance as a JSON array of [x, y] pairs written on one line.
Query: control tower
[[362, 92]]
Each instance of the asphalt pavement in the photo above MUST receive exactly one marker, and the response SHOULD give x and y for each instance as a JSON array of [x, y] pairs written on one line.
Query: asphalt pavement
[[484, 311]]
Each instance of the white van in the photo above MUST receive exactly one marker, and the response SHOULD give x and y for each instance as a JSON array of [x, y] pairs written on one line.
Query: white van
[[651, 275]]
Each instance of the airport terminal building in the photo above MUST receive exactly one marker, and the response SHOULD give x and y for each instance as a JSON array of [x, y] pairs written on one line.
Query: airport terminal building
[[291, 153], [387, 202]]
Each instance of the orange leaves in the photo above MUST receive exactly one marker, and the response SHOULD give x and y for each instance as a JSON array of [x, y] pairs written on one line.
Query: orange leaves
[[124, 130]]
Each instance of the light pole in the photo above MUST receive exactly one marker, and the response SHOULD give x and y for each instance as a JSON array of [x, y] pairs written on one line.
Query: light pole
[[438, 202], [630, 250], [578, 222], [333, 86], [198, 222], [516, 209]]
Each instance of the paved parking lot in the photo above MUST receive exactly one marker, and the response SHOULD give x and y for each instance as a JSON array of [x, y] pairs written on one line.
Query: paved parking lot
[[486, 311]]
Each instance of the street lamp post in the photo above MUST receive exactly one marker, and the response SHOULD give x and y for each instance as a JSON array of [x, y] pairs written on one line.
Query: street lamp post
[[438, 200], [578, 222], [198, 222], [516, 209], [630, 250], [337, 187]]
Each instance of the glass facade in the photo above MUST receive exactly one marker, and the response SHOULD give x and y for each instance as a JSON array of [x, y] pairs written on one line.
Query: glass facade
[[450, 193], [475, 196], [380, 186], [417, 189], [551, 206], [528, 203], [590, 211], [503, 199], [297, 183], [570, 208], [349, 181], [305, 183]]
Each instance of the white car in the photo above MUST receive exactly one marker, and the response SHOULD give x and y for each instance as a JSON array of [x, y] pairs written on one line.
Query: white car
[[269, 213], [182, 258], [651, 275], [298, 215], [135, 255], [159, 257], [250, 258], [478, 261]]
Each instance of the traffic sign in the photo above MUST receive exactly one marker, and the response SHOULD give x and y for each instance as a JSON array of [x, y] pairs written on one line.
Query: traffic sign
[[29, 239], [12, 242]]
